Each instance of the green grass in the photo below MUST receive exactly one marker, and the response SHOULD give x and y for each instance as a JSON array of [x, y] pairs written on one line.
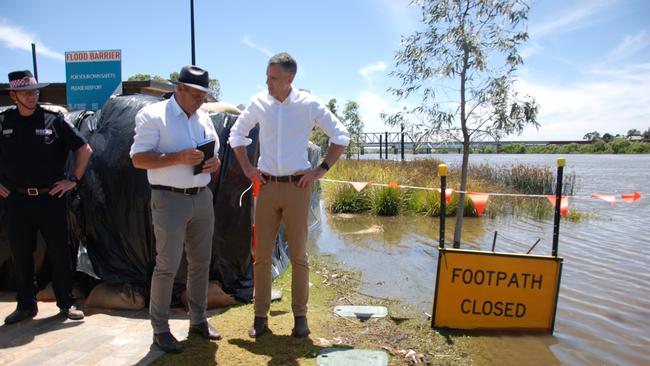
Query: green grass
[[404, 329]]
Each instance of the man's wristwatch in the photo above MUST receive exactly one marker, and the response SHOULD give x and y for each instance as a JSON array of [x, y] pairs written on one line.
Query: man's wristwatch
[[73, 178], [324, 165]]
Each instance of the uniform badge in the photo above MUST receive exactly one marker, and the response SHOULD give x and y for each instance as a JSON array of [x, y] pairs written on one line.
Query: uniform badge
[[44, 132], [8, 131]]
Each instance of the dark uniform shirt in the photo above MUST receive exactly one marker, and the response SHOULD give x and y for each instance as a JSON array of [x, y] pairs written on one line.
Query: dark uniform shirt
[[34, 149]]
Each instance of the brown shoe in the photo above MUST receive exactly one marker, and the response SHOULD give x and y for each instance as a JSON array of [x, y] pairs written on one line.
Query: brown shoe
[[259, 328], [72, 313], [300, 329], [205, 330], [167, 342], [21, 314]]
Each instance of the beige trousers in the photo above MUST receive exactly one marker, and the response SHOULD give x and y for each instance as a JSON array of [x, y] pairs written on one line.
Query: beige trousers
[[282, 202]]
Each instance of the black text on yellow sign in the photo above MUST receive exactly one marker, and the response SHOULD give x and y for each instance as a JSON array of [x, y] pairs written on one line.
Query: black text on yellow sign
[[485, 290]]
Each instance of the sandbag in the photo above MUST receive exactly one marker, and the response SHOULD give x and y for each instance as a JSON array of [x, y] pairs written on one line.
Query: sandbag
[[220, 107], [217, 298], [115, 296]]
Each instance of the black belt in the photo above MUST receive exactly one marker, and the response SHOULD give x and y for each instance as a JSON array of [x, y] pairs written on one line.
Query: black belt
[[187, 191], [33, 191], [282, 178]]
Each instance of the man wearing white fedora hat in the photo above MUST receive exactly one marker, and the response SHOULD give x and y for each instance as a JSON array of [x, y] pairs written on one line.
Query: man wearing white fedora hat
[[167, 137], [34, 147]]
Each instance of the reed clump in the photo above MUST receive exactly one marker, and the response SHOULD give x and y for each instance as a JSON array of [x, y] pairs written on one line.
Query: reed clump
[[391, 201]]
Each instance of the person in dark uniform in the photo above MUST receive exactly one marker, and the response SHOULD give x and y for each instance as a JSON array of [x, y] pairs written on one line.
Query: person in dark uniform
[[33, 151]]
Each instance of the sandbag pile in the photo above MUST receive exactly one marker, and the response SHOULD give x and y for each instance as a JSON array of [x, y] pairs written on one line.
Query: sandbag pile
[[110, 218]]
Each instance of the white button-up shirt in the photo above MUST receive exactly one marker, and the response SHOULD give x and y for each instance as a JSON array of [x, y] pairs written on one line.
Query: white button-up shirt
[[284, 130], [163, 127]]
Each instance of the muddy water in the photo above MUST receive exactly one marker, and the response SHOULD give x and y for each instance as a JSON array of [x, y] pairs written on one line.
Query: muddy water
[[604, 305]]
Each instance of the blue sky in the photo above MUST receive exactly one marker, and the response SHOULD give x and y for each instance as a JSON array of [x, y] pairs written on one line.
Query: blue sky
[[587, 62]]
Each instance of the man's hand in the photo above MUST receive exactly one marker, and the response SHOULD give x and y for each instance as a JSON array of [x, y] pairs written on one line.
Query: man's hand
[[4, 192], [189, 156], [212, 165], [253, 173], [61, 187], [309, 176]]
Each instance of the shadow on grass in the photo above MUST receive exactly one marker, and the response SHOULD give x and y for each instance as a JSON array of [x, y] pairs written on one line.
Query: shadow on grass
[[282, 349]]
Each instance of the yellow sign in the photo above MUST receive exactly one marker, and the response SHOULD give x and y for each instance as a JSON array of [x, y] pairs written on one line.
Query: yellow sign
[[487, 290]]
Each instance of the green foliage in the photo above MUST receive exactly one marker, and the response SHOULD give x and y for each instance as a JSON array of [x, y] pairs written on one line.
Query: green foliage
[[616, 146], [348, 200], [353, 123], [619, 146], [386, 202], [215, 88], [592, 136], [146, 77]]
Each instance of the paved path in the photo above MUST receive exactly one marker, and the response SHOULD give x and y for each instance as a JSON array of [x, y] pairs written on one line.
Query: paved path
[[104, 337]]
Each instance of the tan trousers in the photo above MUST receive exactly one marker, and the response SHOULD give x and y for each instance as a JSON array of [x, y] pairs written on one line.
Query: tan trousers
[[286, 202]]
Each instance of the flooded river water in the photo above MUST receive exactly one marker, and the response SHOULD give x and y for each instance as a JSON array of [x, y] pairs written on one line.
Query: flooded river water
[[603, 314]]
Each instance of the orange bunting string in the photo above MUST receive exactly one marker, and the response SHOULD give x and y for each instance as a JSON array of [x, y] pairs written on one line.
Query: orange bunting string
[[629, 198], [393, 185], [479, 200], [606, 197], [448, 193], [564, 204], [359, 186]]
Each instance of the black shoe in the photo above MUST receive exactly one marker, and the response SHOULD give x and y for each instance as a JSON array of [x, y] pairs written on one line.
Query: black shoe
[[300, 328], [259, 328], [72, 313], [205, 330], [21, 314], [166, 342]]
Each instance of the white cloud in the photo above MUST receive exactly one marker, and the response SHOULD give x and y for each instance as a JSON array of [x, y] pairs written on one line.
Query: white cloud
[[626, 49], [577, 18], [368, 70], [613, 101], [252, 45], [371, 105], [17, 38]]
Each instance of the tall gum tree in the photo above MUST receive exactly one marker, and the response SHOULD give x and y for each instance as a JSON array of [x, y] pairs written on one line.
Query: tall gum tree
[[460, 69]]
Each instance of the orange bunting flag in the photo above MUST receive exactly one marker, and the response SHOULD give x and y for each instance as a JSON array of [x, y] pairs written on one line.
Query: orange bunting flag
[[393, 185], [629, 198], [359, 186], [606, 197], [448, 193], [564, 204], [479, 200]]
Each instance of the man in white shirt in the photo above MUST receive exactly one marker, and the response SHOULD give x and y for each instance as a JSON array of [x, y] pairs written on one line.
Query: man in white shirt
[[286, 117], [167, 135]]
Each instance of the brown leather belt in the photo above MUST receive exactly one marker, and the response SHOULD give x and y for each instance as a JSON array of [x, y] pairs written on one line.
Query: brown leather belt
[[282, 178], [187, 191], [33, 191]]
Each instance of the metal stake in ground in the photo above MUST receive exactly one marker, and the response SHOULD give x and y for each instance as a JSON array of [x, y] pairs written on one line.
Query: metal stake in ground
[[442, 172], [561, 162]]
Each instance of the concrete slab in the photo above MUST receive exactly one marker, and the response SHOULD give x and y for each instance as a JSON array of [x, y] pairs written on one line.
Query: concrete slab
[[351, 357], [361, 312]]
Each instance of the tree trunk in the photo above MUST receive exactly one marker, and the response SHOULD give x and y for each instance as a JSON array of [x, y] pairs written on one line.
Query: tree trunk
[[458, 228]]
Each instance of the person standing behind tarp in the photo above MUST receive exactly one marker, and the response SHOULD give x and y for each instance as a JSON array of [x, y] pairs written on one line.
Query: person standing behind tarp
[[167, 134], [34, 148], [286, 117]]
